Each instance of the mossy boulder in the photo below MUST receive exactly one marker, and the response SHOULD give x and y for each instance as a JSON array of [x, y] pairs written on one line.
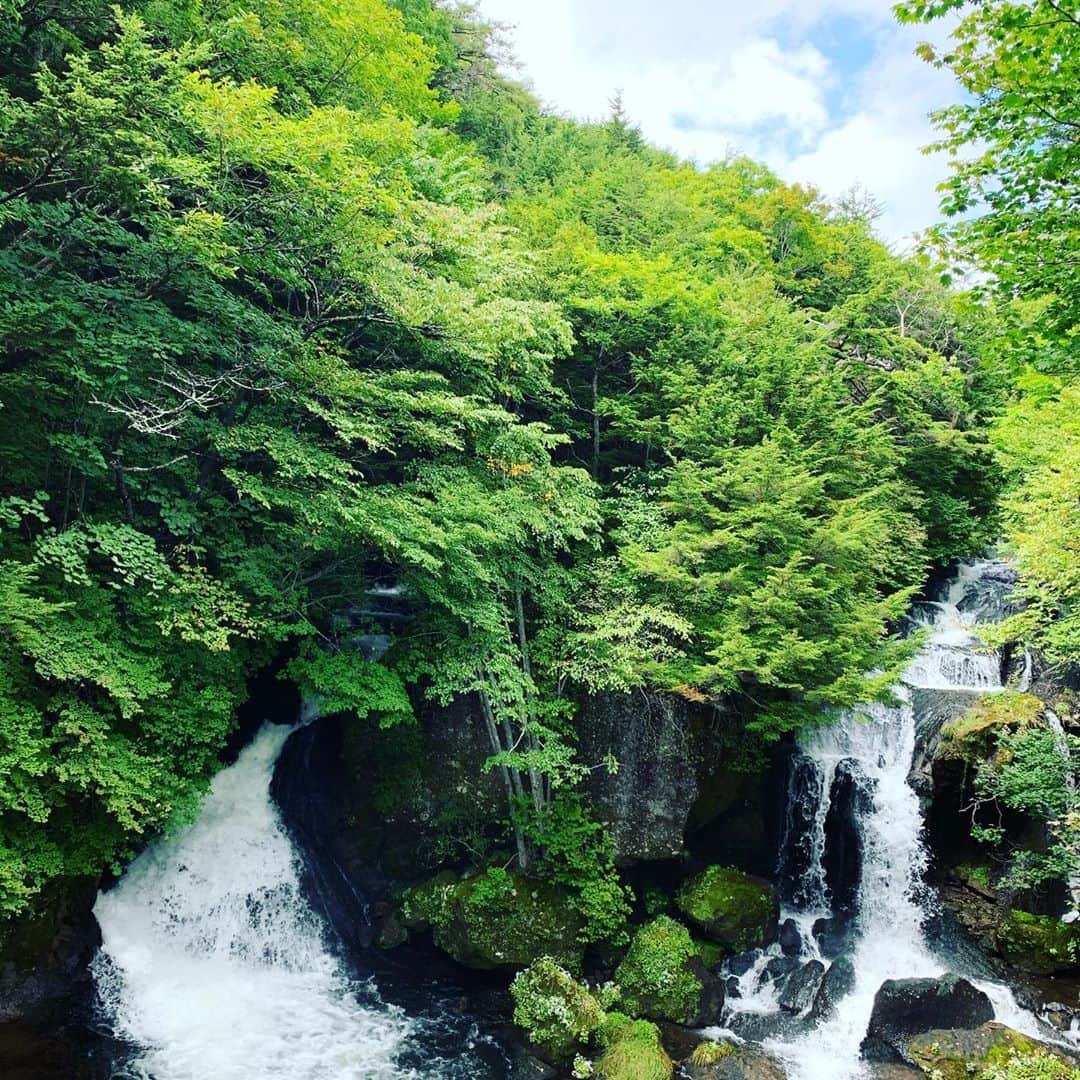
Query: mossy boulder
[[973, 737], [959, 1055], [555, 1011], [496, 919], [1038, 944], [663, 977], [631, 1051], [736, 910]]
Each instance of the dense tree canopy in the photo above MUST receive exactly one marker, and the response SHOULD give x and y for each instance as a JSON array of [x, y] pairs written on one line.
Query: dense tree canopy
[[300, 298]]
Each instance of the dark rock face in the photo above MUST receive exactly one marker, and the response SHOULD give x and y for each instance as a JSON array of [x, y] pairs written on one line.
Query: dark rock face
[[803, 785], [43, 960], [647, 802], [801, 987], [780, 968], [850, 799], [835, 986], [831, 935], [790, 939], [904, 1008]]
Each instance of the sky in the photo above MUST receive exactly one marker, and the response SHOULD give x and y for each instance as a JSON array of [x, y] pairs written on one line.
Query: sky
[[826, 92]]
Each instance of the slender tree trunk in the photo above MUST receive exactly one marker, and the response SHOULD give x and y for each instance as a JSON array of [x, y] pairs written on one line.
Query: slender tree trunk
[[596, 419], [508, 776], [536, 782]]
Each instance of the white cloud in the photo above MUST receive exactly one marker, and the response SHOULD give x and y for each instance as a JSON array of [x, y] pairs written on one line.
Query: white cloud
[[704, 77]]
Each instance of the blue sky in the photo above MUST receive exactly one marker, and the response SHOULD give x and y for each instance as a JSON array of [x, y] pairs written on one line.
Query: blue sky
[[826, 92]]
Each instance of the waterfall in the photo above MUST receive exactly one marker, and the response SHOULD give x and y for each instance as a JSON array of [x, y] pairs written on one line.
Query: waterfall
[[885, 938], [212, 965]]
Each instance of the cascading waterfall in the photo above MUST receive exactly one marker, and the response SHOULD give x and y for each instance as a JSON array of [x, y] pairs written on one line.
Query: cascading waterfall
[[213, 965], [885, 940]]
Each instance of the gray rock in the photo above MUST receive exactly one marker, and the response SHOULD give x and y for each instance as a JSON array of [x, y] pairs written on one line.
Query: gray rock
[[904, 1008], [790, 939], [801, 987], [836, 984]]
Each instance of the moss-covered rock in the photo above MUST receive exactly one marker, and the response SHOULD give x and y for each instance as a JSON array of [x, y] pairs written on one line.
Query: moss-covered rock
[[729, 907], [631, 1051], [556, 1012], [959, 1055], [496, 919], [973, 736], [659, 977], [1038, 944], [427, 905]]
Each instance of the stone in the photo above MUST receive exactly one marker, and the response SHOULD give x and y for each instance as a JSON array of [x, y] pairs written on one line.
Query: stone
[[740, 1062], [44, 957], [780, 967], [734, 909], [496, 919], [850, 799], [663, 978], [960, 1054], [741, 963], [904, 1008], [790, 938], [831, 935], [836, 985], [801, 986], [1038, 944]]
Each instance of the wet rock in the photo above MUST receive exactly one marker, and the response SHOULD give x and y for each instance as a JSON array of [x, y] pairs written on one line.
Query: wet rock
[[790, 939], [831, 935], [741, 963], [646, 803], [801, 987], [734, 990], [727, 1061], [44, 958], [736, 910], [850, 800], [1059, 1015], [779, 967], [904, 1008], [799, 850], [957, 1055], [836, 985]]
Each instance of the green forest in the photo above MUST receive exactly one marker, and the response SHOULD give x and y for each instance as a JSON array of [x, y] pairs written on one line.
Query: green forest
[[302, 299]]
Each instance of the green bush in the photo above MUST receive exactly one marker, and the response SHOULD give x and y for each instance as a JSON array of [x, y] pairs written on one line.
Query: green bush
[[655, 976], [556, 1012], [632, 1051], [731, 908]]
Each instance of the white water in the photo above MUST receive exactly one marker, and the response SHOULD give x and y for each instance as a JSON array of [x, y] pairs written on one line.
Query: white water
[[215, 968], [889, 941]]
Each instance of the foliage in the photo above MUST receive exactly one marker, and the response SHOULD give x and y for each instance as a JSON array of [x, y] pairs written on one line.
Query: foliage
[[300, 298], [709, 1053], [631, 1051], [1015, 161], [554, 1011], [729, 907], [1031, 1066], [654, 975]]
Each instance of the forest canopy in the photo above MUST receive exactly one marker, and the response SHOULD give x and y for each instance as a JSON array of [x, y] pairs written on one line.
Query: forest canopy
[[301, 300]]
